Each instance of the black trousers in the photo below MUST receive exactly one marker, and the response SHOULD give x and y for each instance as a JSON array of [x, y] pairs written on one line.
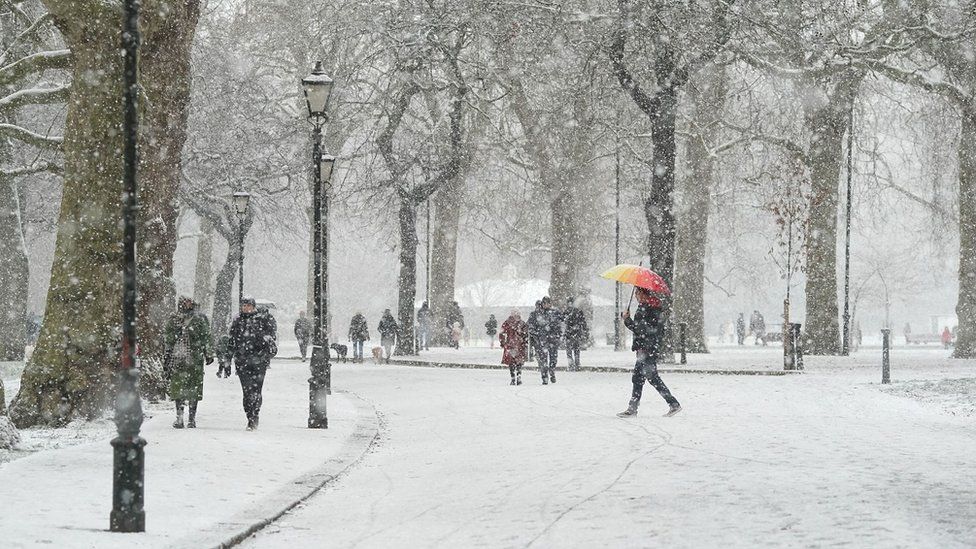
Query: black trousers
[[573, 353], [252, 383], [547, 355], [303, 346], [646, 370]]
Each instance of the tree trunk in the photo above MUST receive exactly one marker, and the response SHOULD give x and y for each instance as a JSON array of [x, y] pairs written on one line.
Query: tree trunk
[[966, 303], [14, 274], [826, 126], [408, 276], [444, 241], [659, 206], [708, 96], [222, 293], [70, 373], [165, 62], [567, 248], [203, 275]]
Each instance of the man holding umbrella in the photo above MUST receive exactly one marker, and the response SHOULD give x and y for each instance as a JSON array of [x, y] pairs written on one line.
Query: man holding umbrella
[[648, 330]]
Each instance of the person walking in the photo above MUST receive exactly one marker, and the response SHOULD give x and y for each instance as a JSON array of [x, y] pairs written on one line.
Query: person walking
[[303, 331], [224, 356], [514, 339], [584, 302], [388, 329], [577, 334], [757, 325], [188, 347], [740, 328], [946, 337], [253, 343], [423, 327], [358, 333], [533, 327], [550, 332], [454, 316], [648, 330], [491, 328]]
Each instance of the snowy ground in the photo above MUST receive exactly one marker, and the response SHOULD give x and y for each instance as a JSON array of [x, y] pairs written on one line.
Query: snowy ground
[[826, 458], [202, 485], [830, 457]]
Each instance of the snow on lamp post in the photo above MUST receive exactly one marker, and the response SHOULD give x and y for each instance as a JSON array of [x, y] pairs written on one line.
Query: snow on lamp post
[[318, 89], [241, 200], [128, 463]]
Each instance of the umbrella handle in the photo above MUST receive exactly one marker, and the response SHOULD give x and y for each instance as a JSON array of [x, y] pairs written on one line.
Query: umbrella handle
[[633, 290]]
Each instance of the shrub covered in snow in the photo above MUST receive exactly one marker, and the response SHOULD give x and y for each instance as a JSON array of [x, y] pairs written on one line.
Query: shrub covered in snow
[[9, 437]]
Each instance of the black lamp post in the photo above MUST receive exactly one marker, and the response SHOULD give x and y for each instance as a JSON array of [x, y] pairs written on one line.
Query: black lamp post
[[846, 342], [318, 89], [241, 200], [129, 458]]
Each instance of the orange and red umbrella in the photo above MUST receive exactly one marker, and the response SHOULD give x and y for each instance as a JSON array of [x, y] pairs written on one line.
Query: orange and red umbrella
[[639, 276]]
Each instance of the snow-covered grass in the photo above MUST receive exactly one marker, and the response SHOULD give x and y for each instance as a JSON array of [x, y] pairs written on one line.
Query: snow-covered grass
[[954, 396]]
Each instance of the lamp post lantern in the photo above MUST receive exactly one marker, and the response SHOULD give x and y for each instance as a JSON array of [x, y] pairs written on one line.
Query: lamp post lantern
[[318, 90], [241, 200], [129, 458]]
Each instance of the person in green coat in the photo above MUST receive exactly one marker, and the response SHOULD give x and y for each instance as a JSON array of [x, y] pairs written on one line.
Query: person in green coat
[[188, 347]]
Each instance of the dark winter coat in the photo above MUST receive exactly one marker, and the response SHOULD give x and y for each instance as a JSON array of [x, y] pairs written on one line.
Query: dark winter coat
[[188, 348], [514, 338], [358, 329], [454, 315], [740, 326], [388, 329], [491, 327], [534, 328], [253, 341], [647, 328], [303, 329], [757, 324], [550, 327], [576, 329]]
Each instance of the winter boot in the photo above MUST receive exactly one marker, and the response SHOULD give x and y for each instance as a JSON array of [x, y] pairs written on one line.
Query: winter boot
[[675, 408], [513, 380], [178, 424], [552, 377], [518, 379], [191, 422], [631, 410]]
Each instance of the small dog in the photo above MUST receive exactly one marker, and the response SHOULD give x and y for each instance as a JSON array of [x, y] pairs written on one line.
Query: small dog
[[378, 355], [340, 350]]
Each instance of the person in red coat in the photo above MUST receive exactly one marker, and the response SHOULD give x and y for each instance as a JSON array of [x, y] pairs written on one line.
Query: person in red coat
[[514, 338]]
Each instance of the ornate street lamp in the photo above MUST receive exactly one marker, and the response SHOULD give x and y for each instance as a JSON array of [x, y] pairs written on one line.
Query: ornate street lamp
[[129, 458], [318, 89], [241, 199]]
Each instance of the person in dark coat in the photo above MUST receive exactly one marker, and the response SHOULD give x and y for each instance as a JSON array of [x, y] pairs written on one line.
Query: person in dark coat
[[454, 316], [757, 325], [491, 328], [514, 339], [577, 333], [648, 330], [423, 327], [533, 326], [358, 333], [388, 329], [740, 329], [253, 344], [303, 331], [188, 347], [224, 355], [550, 332]]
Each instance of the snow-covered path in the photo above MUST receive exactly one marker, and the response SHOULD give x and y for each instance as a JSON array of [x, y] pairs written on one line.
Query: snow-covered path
[[814, 460]]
